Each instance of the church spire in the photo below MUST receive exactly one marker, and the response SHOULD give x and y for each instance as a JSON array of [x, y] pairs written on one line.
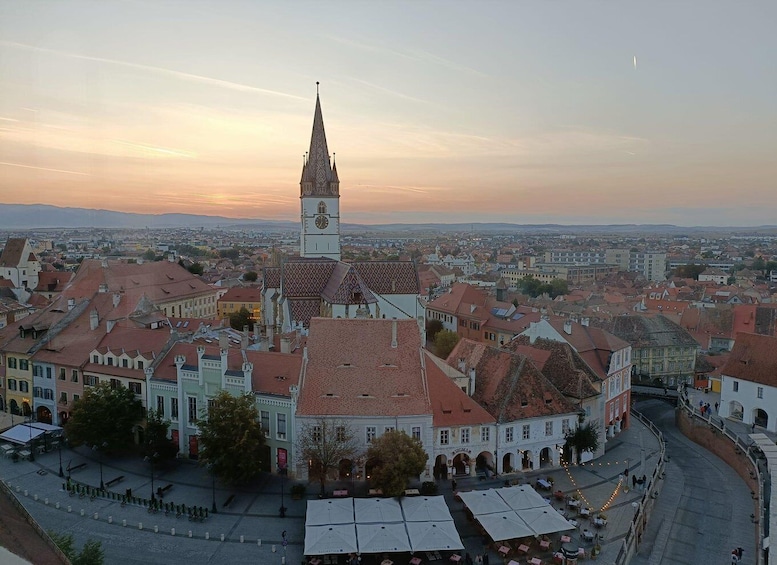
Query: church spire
[[317, 172]]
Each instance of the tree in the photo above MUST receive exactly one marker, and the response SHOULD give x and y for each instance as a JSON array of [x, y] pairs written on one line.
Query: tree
[[251, 276], [232, 438], [433, 327], [584, 437], [91, 554], [325, 443], [396, 458], [689, 271], [104, 415], [238, 320], [149, 255], [444, 342], [196, 268], [157, 442]]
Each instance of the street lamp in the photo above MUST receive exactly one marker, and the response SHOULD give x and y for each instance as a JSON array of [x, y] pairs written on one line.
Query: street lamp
[[282, 509], [213, 508], [150, 459], [99, 450], [59, 448], [32, 447]]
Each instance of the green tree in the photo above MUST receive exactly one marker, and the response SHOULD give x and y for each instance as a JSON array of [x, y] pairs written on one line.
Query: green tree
[[433, 327], [232, 438], [558, 287], [585, 437], [689, 271], [251, 276], [196, 268], [157, 442], [325, 443], [91, 554], [104, 415], [238, 320], [396, 458], [149, 255], [444, 342]]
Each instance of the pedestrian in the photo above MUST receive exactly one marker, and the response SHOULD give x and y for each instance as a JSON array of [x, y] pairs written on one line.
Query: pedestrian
[[716, 407], [283, 534], [665, 391], [644, 482], [707, 408], [633, 481], [478, 559], [734, 557], [739, 552], [453, 485], [752, 428]]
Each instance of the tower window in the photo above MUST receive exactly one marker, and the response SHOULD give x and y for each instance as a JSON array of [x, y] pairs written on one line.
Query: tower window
[[321, 208]]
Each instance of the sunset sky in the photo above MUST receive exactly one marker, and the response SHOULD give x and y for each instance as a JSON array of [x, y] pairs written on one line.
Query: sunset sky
[[527, 112]]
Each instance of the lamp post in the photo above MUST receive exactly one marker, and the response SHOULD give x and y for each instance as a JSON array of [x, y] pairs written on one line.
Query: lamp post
[[213, 508], [32, 447], [59, 448], [150, 459], [99, 450], [282, 509]]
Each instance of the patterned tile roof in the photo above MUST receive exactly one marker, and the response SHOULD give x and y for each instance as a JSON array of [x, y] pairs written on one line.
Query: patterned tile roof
[[389, 277], [306, 278], [345, 286], [353, 369], [271, 277], [303, 310]]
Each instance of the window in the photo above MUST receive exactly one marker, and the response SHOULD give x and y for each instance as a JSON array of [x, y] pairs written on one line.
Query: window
[[24, 365], [125, 362], [444, 437], [95, 358], [63, 397], [388, 429], [48, 372], [174, 408], [321, 208], [736, 386], [76, 397], [110, 361], [760, 392], [91, 380], [281, 420], [48, 394], [61, 373], [192, 400], [140, 365], [509, 434], [485, 433], [565, 426], [464, 435], [74, 376], [525, 431], [135, 388], [340, 433], [415, 433], [160, 406], [265, 420], [317, 436], [371, 433], [115, 384], [12, 362], [549, 428], [37, 392], [24, 386], [11, 384]]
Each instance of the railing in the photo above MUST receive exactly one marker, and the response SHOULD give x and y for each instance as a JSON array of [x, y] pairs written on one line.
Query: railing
[[638, 523]]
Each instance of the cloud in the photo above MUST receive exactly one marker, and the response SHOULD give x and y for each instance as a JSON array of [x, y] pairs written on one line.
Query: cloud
[[44, 169], [157, 70], [389, 91]]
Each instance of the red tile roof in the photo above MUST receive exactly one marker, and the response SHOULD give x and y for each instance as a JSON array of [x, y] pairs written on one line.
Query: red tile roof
[[753, 359], [450, 405]]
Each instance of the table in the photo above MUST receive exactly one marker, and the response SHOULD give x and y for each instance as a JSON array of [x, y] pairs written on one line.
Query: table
[[545, 544], [315, 561], [523, 548], [544, 484], [573, 522], [25, 454], [511, 562], [587, 535], [535, 561], [455, 557], [566, 539], [585, 512], [415, 561], [572, 503], [599, 522], [8, 449], [503, 550]]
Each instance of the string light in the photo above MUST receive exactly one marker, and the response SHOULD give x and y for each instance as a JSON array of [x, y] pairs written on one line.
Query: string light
[[582, 496]]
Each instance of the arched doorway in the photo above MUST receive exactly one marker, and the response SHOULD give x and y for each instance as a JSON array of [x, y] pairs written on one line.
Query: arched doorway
[[546, 458], [441, 467], [140, 435], [345, 469], [63, 416], [26, 410], [527, 461], [43, 414], [484, 463], [461, 464], [761, 418], [507, 463], [369, 466], [266, 457], [14, 407], [735, 410]]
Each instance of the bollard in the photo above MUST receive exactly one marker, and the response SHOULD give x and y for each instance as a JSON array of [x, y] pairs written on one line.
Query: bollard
[[18, 488], [25, 492], [56, 506], [140, 525], [96, 516], [190, 533], [35, 497], [156, 529], [124, 523], [69, 508], [259, 542], [207, 535], [222, 537], [82, 512], [110, 519], [242, 539], [283, 560], [273, 548], [172, 531], [46, 501]]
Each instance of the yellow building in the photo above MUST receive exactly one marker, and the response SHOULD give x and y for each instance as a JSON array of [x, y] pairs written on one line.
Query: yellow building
[[241, 297]]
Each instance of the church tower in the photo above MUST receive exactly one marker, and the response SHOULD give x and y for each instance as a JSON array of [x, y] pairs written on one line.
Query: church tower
[[319, 196]]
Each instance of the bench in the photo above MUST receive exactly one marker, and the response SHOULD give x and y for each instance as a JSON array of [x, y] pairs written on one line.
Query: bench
[[229, 500], [114, 481], [339, 493], [160, 491], [76, 468]]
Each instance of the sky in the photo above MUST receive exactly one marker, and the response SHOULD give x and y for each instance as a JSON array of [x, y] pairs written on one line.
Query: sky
[[589, 112]]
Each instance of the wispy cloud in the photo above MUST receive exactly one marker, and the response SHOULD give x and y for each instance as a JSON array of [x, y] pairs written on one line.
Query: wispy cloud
[[157, 70], [389, 91], [156, 151], [44, 169]]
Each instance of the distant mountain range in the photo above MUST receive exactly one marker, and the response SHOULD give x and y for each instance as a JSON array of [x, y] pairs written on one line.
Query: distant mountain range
[[42, 216]]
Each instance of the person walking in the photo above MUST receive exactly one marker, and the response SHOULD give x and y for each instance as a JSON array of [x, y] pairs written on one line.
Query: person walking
[[453, 485], [634, 481], [752, 428], [716, 407]]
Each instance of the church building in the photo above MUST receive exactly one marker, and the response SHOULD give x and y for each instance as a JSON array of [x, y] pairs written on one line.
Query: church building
[[318, 283]]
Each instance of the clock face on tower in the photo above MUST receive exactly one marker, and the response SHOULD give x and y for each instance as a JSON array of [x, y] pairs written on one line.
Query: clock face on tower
[[322, 222]]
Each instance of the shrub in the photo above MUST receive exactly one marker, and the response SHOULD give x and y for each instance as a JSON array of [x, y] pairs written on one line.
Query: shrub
[[428, 488]]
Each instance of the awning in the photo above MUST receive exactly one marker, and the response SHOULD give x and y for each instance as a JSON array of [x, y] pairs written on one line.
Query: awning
[[21, 434]]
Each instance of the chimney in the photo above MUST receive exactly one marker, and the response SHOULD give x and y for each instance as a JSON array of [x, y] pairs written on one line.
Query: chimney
[[103, 288], [223, 340], [567, 327], [285, 344], [472, 381], [71, 303], [462, 366], [116, 299], [94, 320], [585, 321], [394, 333], [244, 338]]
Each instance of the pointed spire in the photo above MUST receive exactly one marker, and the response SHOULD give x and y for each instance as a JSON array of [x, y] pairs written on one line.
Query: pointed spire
[[335, 178], [317, 172]]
